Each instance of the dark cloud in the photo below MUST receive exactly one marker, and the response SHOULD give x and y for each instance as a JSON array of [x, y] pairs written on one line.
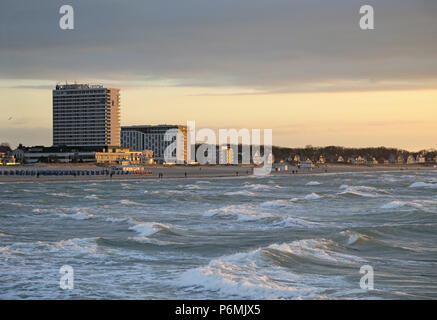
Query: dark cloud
[[274, 46]]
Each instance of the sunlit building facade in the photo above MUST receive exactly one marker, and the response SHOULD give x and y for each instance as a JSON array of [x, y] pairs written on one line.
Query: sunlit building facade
[[86, 116]]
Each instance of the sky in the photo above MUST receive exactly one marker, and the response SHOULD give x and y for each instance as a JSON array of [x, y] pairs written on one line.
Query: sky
[[303, 68]]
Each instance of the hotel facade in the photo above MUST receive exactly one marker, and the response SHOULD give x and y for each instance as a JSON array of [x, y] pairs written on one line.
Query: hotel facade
[[147, 137], [86, 116]]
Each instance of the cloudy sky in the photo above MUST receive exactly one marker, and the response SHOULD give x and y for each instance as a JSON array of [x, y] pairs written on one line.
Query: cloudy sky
[[301, 67]]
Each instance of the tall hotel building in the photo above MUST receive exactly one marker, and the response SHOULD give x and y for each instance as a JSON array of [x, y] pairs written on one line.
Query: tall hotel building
[[140, 138], [86, 116]]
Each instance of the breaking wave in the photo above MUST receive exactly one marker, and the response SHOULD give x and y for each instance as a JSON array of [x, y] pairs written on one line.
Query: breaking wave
[[423, 185], [267, 273]]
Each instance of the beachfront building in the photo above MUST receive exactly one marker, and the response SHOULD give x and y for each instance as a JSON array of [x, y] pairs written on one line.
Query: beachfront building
[[321, 160], [6, 156], [411, 159], [40, 154], [306, 164], [340, 159], [420, 158], [123, 156], [372, 161], [281, 167], [148, 137], [226, 155], [86, 115], [400, 160]]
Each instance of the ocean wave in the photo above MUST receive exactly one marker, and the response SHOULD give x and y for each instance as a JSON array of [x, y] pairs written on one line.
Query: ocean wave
[[41, 210], [319, 249], [127, 186], [75, 245], [424, 205], [263, 274], [241, 212], [354, 237], [204, 181], [60, 194], [276, 203], [312, 196], [114, 220], [127, 202], [77, 215], [313, 183], [62, 248], [258, 186], [92, 197], [146, 229], [252, 213], [191, 186], [167, 192], [423, 185], [362, 191], [309, 197], [240, 193]]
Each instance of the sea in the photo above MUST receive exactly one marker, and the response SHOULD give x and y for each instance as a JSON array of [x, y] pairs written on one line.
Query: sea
[[328, 236]]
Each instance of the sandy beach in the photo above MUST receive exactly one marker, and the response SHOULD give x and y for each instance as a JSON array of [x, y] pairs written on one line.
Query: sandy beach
[[176, 172]]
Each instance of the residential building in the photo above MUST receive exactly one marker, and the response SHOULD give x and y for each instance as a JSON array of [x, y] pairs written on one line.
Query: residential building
[[411, 159], [420, 158], [307, 164]]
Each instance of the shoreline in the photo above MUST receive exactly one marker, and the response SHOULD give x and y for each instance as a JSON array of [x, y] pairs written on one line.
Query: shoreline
[[199, 172]]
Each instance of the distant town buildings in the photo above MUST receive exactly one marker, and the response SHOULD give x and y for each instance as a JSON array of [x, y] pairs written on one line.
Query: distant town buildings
[[226, 155], [86, 116], [6, 156], [149, 137], [123, 156]]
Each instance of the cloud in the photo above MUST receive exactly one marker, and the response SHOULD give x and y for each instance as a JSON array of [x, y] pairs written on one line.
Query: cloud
[[266, 46]]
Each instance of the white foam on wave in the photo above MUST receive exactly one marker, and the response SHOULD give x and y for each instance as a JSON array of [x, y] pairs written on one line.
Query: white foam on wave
[[354, 237], [240, 212], [254, 276], [320, 249], [362, 191], [40, 210], [240, 193], [253, 213], [313, 183], [114, 220], [425, 205], [77, 216], [17, 204], [127, 202], [127, 186], [192, 187], [258, 186], [63, 248], [75, 245], [312, 196], [60, 194], [146, 229], [394, 204], [423, 185], [92, 197], [276, 203]]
